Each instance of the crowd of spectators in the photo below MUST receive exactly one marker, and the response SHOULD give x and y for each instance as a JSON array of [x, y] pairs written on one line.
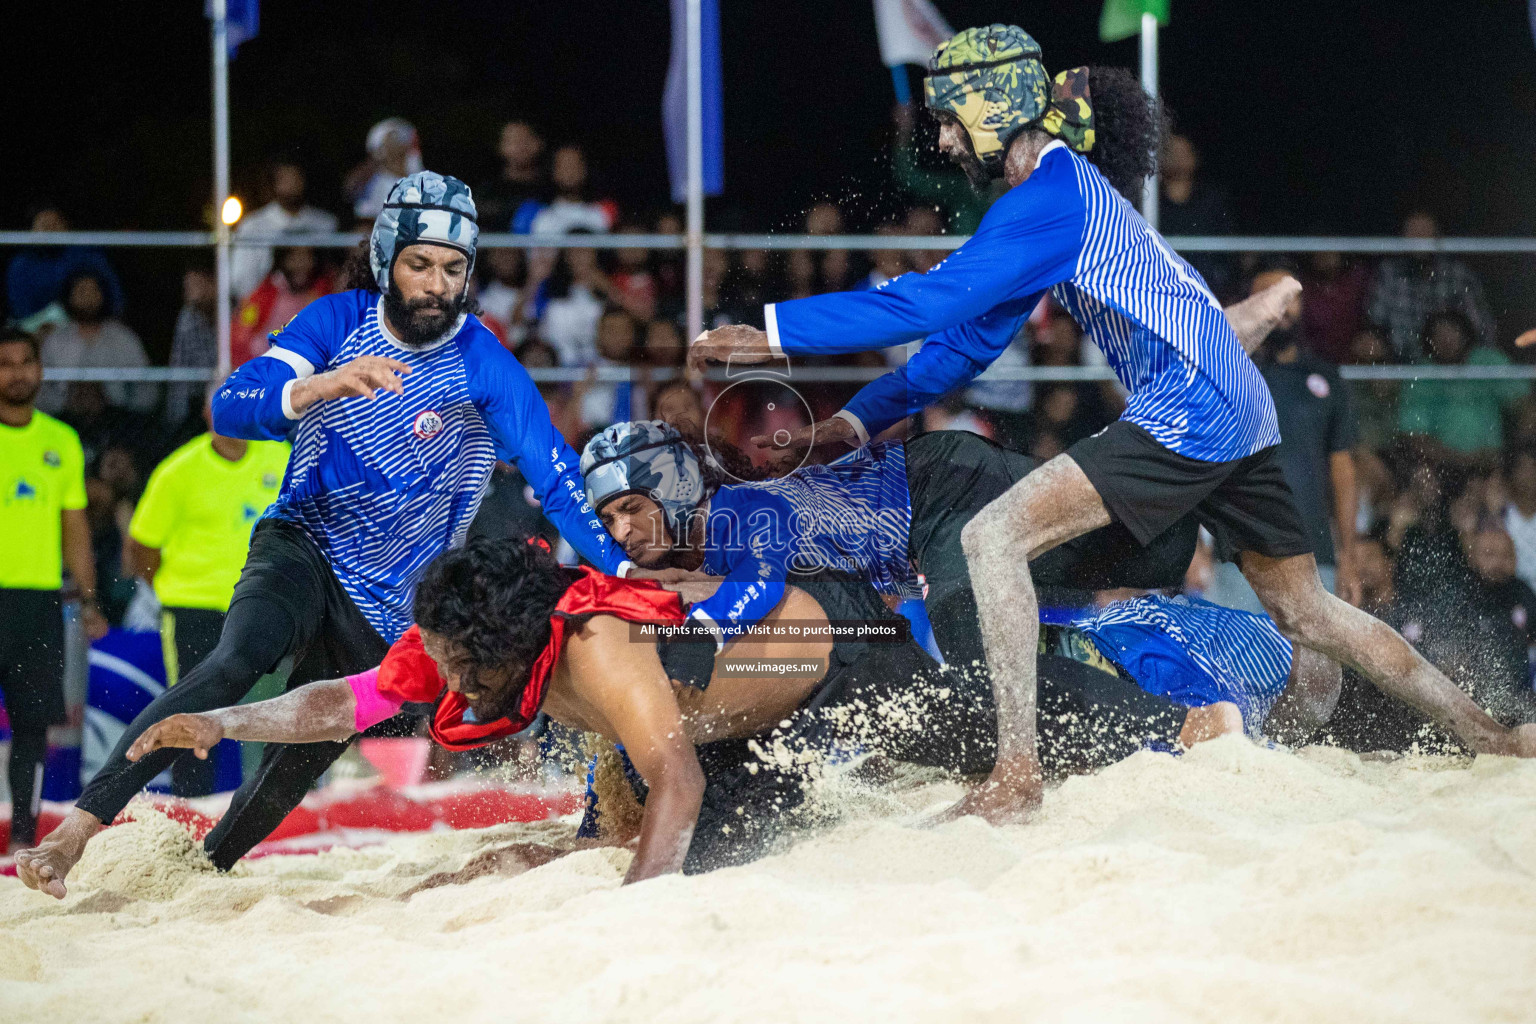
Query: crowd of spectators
[[1445, 470]]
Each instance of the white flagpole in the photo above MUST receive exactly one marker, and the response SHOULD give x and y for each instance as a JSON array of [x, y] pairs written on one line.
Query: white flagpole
[[221, 175], [1149, 195], [695, 170]]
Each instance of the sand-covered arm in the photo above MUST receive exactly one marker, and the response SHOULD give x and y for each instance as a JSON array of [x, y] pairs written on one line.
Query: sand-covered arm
[[309, 714], [624, 683]]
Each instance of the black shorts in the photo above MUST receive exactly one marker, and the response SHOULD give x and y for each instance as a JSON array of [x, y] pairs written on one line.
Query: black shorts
[[954, 474], [1245, 503], [32, 658]]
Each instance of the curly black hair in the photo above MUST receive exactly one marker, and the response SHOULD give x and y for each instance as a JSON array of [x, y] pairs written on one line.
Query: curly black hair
[[357, 270], [492, 600], [1129, 129]]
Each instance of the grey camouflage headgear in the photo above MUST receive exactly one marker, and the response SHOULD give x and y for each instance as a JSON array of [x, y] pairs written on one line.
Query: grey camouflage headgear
[[423, 207], [646, 457]]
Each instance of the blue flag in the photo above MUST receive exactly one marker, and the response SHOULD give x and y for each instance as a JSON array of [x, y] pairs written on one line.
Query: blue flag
[[242, 20], [674, 102]]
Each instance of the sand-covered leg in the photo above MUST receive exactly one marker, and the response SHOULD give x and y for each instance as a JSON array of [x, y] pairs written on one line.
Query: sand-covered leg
[[1294, 597], [1048, 507]]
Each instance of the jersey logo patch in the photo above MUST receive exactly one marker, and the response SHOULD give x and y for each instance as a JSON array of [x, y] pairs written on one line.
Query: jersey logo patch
[[1318, 385], [25, 490], [51, 459], [269, 480], [428, 423]]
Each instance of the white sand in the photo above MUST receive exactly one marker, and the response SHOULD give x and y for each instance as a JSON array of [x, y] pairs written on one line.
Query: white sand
[[1236, 884]]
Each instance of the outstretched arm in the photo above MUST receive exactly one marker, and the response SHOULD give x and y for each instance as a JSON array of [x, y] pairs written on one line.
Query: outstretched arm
[[525, 435], [1029, 240], [624, 683], [309, 714]]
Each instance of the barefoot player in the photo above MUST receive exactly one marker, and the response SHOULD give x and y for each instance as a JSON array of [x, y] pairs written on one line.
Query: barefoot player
[[398, 403]]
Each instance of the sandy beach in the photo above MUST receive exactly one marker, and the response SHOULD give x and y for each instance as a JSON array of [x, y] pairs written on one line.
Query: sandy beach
[[1235, 883]]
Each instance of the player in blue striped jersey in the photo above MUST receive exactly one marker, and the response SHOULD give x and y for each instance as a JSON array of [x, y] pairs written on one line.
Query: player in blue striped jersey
[[398, 402], [890, 513], [669, 503], [1199, 431]]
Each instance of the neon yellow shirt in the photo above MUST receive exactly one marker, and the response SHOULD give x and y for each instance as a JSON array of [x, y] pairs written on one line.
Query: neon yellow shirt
[[42, 473], [198, 509]]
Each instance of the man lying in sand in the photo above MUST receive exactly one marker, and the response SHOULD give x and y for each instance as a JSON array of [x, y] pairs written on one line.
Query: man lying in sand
[[504, 632]]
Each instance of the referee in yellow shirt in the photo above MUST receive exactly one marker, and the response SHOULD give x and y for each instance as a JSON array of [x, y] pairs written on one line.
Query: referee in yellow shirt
[[42, 529], [189, 537]]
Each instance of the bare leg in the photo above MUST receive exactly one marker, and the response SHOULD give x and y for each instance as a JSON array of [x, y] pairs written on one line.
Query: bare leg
[[1309, 615], [1048, 507], [1310, 696]]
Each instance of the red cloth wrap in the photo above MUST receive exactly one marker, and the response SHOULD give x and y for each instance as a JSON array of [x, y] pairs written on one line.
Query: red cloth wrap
[[408, 673]]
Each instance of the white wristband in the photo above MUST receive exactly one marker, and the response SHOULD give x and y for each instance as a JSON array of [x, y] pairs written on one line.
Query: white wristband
[[858, 425]]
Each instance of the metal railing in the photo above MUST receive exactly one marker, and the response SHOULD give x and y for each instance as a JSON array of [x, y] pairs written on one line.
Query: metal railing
[[1384, 245], [809, 374], [1377, 245]]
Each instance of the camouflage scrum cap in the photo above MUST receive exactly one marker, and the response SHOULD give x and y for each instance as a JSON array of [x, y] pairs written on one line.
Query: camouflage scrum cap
[[425, 207], [992, 81], [646, 457]]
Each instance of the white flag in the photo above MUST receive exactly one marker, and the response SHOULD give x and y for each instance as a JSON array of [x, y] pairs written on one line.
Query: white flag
[[909, 30]]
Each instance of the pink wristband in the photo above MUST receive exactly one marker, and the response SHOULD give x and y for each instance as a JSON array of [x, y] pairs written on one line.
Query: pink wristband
[[372, 706]]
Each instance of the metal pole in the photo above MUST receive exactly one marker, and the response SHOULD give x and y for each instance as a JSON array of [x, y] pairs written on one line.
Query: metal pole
[[695, 230], [1149, 193], [221, 176]]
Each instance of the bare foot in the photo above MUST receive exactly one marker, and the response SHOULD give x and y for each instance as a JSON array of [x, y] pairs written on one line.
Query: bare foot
[[1009, 796], [1523, 741], [1219, 719], [44, 867]]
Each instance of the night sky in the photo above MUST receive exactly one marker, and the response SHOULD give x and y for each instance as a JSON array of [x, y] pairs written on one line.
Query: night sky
[[1319, 116]]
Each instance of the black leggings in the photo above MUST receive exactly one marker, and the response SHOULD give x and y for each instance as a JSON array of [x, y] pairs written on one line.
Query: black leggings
[[287, 602], [193, 634]]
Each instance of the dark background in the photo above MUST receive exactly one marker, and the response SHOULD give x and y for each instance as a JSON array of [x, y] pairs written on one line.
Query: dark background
[[1318, 115]]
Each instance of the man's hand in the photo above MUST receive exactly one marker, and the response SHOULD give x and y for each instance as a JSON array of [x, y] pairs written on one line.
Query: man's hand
[[201, 733], [1009, 796], [93, 622], [836, 430], [363, 377], [1526, 339], [736, 343]]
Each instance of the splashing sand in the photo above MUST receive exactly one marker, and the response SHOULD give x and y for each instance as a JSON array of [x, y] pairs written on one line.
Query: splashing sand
[[1233, 884]]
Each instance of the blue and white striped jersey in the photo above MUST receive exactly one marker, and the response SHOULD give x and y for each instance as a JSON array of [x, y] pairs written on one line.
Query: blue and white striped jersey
[[1196, 653], [853, 516], [1064, 229], [385, 485]]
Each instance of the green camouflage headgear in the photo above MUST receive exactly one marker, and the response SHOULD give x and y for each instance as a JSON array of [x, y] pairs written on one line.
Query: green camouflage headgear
[[992, 81]]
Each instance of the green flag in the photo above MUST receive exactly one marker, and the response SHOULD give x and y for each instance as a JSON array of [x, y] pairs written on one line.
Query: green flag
[[1122, 18]]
